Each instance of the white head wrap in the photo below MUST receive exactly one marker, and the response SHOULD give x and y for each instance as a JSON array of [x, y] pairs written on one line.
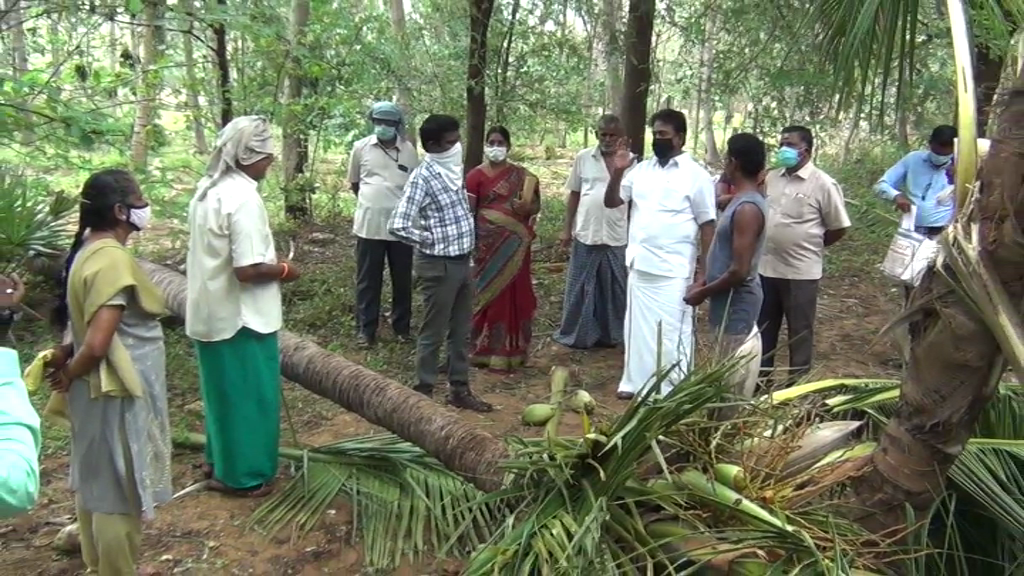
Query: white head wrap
[[243, 141]]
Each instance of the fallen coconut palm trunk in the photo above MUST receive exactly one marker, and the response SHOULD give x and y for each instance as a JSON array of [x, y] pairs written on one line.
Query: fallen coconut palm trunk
[[462, 448]]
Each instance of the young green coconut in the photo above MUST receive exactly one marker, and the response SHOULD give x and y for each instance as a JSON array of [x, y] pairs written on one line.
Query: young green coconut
[[538, 414], [581, 402]]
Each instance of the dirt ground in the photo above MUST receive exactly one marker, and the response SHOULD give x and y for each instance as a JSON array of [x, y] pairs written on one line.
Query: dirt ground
[[205, 533]]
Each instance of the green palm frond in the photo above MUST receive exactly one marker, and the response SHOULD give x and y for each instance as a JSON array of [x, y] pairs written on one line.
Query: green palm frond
[[34, 220], [404, 503], [872, 44], [587, 505]]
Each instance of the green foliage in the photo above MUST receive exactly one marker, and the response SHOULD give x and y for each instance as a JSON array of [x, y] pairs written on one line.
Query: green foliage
[[33, 218]]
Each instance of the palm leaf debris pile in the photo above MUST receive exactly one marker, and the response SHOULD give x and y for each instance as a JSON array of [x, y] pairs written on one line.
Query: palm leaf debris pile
[[661, 489]]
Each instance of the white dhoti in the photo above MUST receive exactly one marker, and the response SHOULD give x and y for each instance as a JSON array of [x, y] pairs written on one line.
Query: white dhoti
[[654, 300], [745, 351]]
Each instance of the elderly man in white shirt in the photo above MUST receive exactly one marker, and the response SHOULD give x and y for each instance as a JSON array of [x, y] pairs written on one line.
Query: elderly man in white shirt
[[234, 311], [672, 208], [594, 307]]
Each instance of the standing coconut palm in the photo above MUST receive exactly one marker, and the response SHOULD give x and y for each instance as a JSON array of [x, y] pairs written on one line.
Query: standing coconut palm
[[962, 321]]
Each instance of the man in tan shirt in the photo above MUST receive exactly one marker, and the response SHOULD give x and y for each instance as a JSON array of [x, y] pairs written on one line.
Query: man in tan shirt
[[806, 213]]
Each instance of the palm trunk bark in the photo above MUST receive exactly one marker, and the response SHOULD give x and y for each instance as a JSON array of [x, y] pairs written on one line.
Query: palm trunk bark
[[462, 448], [953, 352]]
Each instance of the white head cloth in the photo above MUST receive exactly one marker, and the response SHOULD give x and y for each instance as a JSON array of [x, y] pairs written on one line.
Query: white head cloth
[[244, 140]]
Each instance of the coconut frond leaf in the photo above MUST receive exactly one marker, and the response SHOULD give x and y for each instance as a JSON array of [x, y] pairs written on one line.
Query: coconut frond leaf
[[404, 503]]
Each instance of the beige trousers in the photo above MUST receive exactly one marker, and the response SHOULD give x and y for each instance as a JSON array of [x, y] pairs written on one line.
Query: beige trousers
[[110, 542]]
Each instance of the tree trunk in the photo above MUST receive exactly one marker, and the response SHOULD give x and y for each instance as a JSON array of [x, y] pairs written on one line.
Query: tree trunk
[[14, 21], [298, 202], [707, 57], [637, 75], [480, 12], [611, 50], [220, 49], [953, 352], [988, 68], [852, 133], [404, 99], [505, 59], [462, 448], [147, 88], [192, 84]]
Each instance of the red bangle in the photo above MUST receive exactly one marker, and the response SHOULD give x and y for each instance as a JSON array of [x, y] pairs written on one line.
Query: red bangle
[[284, 270]]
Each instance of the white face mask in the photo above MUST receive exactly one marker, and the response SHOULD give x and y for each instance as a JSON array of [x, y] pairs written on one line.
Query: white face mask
[[451, 158], [496, 153], [139, 217]]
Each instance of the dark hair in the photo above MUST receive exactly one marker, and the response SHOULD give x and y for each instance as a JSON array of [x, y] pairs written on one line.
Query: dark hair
[[803, 133], [943, 135], [674, 118], [434, 128], [748, 152], [501, 131], [100, 194], [609, 120]]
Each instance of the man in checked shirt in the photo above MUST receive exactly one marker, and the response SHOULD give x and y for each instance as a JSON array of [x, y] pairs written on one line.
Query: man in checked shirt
[[435, 218]]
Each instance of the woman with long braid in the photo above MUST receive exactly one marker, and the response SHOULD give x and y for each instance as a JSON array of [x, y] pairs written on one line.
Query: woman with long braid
[[112, 373]]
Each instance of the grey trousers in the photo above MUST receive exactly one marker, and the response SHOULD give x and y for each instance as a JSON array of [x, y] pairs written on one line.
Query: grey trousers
[[796, 302], [370, 256], [446, 285]]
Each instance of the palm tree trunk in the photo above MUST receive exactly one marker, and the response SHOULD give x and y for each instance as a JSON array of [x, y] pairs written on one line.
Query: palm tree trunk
[[462, 448], [953, 352]]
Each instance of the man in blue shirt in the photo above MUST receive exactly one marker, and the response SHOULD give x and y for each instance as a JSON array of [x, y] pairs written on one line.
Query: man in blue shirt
[[923, 175]]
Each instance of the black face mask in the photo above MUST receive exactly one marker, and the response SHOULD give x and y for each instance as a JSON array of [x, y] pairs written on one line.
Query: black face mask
[[662, 148]]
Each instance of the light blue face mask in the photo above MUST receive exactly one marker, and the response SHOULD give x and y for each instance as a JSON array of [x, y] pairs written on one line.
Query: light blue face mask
[[386, 133], [787, 157], [938, 160]]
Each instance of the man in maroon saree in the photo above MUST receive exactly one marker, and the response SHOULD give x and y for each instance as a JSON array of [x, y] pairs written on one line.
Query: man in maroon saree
[[505, 197]]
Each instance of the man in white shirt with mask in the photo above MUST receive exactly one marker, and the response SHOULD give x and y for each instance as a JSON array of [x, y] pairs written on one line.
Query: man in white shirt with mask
[[672, 216]]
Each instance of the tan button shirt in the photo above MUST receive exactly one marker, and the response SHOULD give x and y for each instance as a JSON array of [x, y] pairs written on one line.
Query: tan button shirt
[[801, 207], [381, 175]]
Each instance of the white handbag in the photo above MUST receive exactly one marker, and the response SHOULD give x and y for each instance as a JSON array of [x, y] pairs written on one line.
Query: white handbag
[[910, 253]]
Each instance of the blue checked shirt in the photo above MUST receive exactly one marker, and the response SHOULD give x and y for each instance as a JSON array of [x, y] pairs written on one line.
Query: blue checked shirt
[[433, 215]]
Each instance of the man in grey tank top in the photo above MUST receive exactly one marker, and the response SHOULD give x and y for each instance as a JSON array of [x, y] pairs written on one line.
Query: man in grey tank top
[[732, 285]]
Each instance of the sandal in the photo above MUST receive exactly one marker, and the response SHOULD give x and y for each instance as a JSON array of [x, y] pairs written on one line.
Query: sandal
[[207, 470], [256, 492], [624, 395]]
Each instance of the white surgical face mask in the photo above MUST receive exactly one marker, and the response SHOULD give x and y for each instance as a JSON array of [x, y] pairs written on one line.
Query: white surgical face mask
[[139, 217], [496, 153]]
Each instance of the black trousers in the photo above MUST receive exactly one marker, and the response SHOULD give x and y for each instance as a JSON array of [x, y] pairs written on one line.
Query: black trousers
[[796, 303], [370, 256]]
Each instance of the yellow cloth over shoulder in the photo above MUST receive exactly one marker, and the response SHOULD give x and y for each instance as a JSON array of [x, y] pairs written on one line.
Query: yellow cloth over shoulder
[[101, 271]]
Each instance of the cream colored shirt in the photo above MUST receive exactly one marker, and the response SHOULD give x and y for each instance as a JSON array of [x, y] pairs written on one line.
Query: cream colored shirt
[[669, 203], [595, 225], [229, 229], [381, 175], [801, 208]]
